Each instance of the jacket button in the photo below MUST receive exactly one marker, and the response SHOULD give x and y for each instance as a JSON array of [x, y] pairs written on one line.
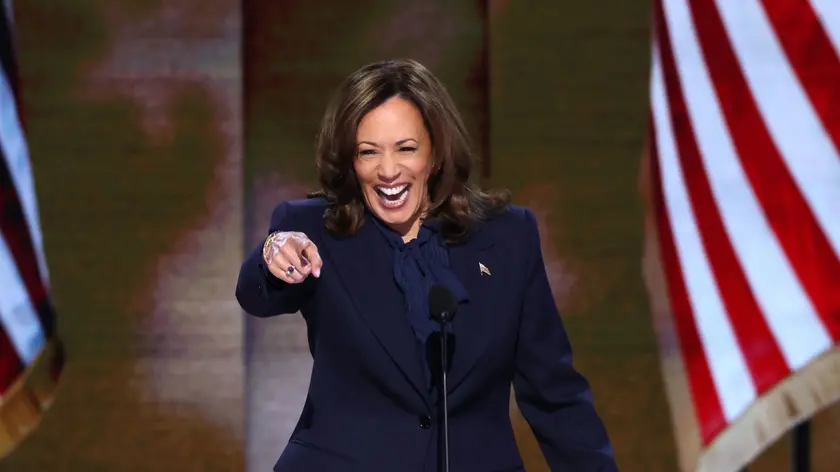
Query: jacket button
[[425, 421]]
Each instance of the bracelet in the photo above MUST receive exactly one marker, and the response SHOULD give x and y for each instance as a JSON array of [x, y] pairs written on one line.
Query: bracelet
[[267, 245]]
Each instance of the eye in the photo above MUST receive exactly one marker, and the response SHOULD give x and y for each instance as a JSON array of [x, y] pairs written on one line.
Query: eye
[[366, 152], [407, 149]]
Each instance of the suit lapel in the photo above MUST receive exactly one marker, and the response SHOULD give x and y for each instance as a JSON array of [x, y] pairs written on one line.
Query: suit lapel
[[472, 324], [366, 270]]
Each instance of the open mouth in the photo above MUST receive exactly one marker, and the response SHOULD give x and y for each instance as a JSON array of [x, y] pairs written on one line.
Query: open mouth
[[393, 196]]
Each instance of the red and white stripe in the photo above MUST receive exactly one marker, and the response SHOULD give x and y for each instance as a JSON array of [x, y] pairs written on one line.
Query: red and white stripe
[[25, 313], [745, 124]]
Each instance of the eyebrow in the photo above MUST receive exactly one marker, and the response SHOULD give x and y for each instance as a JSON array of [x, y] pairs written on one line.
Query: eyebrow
[[398, 143]]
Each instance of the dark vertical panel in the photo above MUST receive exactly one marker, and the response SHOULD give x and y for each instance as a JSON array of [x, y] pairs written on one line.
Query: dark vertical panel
[[569, 101], [295, 53], [481, 76]]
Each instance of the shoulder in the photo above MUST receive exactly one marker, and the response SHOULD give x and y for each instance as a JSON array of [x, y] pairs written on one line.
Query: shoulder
[[299, 215], [512, 231], [516, 221]]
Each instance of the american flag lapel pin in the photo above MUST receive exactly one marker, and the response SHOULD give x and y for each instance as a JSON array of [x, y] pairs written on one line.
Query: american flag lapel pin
[[483, 268]]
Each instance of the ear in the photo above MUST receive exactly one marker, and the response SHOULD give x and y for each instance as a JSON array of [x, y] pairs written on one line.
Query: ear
[[437, 165]]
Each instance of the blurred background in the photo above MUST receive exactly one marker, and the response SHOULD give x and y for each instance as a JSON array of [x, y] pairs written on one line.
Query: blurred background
[[161, 135]]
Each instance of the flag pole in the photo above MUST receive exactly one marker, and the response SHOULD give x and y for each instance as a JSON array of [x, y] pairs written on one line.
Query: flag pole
[[800, 452]]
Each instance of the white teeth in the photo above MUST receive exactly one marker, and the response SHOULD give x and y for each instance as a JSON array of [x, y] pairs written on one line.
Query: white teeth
[[395, 203], [392, 190]]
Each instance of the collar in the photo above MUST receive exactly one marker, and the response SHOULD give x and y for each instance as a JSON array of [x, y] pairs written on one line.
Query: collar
[[428, 229]]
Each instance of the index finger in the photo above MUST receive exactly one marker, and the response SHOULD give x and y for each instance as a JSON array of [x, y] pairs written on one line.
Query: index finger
[[311, 254]]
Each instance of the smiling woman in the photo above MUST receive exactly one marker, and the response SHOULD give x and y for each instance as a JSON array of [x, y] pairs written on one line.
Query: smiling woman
[[390, 124], [396, 216], [394, 155]]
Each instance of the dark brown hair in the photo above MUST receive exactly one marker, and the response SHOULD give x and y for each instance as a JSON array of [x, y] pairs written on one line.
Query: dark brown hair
[[456, 202]]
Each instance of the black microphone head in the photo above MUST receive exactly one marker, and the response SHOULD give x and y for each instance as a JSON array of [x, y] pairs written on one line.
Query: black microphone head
[[442, 303]]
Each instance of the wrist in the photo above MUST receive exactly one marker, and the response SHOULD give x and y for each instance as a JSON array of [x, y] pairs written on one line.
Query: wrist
[[268, 245]]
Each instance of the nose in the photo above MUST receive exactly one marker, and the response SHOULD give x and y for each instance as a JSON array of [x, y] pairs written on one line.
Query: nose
[[389, 169]]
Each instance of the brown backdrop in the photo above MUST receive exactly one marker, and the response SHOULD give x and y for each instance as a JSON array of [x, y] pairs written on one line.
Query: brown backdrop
[[132, 110], [137, 113]]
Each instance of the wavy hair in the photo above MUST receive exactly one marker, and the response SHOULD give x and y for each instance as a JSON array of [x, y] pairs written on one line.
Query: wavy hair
[[457, 203]]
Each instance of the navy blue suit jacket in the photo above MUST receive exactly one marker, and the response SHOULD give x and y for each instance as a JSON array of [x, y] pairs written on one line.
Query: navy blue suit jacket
[[367, 408]]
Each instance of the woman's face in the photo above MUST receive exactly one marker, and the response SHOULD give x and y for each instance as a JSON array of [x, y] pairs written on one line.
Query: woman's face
[[393, 163]]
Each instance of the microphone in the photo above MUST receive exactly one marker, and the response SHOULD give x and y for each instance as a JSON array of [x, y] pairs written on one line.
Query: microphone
[[442, 304], [442, 307]]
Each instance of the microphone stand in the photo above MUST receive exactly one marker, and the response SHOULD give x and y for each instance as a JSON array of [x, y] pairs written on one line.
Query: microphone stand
[[444, 350], [442, 308]]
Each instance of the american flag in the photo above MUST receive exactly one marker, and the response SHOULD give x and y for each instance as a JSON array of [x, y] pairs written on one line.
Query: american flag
[[27, 344], [743, 251]]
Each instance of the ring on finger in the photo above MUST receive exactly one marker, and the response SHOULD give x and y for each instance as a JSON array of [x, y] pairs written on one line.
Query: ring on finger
[[290, 270]]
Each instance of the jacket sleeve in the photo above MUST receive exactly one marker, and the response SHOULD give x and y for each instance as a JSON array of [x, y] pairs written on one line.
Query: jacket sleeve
[[259, 292], [553, 397]]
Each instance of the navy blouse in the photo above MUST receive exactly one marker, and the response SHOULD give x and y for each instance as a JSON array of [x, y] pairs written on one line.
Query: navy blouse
[[418, 265]]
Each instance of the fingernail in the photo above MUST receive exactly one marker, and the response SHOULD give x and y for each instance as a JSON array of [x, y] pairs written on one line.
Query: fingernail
[[317, 273], [303, 261]]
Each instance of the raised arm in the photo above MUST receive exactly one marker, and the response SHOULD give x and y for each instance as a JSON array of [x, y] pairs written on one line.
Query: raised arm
[[261, 293], [553, 397]]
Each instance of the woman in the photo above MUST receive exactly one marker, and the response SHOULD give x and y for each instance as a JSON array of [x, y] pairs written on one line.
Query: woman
[[396, 214]]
